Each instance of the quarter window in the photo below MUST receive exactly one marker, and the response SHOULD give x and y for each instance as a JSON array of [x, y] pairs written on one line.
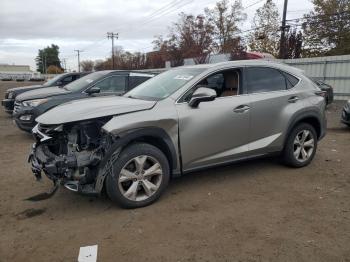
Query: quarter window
[[291, 80], [263, 79]]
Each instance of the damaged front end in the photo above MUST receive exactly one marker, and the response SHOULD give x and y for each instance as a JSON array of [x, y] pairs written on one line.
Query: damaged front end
[[70, 154]]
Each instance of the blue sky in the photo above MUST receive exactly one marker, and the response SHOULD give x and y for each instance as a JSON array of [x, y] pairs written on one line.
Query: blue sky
[[83, 24]]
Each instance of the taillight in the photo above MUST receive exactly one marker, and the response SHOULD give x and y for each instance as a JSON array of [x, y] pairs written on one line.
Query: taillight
[[321, 93]]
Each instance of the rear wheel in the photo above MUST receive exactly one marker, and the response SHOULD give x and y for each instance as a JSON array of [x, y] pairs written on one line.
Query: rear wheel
[[301, 146], [139, 177]]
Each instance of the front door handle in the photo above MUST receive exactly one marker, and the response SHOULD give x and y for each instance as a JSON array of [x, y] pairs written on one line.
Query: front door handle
[[293, 99], [241, 109]]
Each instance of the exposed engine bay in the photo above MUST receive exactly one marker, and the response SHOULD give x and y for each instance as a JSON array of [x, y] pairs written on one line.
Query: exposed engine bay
[[70, 154]]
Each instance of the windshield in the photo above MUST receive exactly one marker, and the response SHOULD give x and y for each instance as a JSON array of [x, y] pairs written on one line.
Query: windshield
[[52, 81], [165, 84], [83, 82]]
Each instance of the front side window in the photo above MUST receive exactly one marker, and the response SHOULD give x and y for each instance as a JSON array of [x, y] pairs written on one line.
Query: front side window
[[165, 84], [264, 79], [225, 83], [52, 81], [112, 84], [84, 82], [67, 79]]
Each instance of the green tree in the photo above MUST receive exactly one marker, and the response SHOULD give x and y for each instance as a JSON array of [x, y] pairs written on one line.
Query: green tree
[[47, 57], [226, 19], [265, 36], [327, 28]]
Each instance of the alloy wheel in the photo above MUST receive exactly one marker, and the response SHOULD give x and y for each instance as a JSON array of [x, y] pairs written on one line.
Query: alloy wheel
[[140, 178], [304, 144]]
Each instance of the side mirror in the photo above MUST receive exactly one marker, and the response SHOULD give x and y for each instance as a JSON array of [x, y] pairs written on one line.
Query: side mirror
[[59, 83], [202, 94], [93, 90]]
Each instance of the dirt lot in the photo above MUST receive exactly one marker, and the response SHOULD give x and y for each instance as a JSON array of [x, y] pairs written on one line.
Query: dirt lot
[[253, 211]]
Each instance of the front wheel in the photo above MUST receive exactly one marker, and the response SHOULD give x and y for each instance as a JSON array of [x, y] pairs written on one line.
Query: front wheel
[[301, 146], [140, 175]]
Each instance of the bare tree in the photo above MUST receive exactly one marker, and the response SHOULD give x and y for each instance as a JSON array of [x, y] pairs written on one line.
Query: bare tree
[[265, 36], [87, 65]]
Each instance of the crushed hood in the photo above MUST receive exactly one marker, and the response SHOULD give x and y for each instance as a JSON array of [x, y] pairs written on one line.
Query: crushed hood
[[42, 93], [91, 108]]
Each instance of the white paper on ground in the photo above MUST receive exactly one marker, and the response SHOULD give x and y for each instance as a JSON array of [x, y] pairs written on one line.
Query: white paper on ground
[[88, 254]]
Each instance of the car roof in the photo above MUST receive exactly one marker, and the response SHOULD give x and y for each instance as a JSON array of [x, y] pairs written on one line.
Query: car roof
[[255, 62], [129, 72]]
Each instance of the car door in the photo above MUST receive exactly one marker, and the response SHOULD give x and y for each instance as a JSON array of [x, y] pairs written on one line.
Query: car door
[[215, 132], [273, 101], [112, 85]]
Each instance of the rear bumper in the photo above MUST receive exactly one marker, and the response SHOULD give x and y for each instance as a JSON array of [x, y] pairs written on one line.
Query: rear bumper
[[330, 96], [345, 115], [8, 105]]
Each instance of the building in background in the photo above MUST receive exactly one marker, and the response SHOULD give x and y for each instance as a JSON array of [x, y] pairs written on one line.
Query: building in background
[[15, 72]]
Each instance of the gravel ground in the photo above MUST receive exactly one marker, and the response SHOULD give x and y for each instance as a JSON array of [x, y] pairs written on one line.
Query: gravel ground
[[253, 211]]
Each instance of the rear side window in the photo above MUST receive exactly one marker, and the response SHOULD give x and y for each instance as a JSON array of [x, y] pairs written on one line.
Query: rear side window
[[136, 80], [264, 79]]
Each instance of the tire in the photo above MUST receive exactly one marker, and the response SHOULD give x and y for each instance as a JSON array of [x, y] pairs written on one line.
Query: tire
[[294, 157], [132, 183]]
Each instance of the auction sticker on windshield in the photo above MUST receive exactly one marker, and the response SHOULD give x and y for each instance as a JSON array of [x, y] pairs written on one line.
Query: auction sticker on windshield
[[183, 77]]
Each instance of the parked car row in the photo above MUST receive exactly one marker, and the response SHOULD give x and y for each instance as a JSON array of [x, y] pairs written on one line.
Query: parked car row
[[60, 80], [31, 104]]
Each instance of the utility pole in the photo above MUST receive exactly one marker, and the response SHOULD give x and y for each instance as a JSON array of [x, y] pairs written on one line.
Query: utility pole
[[64, 64], [282, 52], [111, 35], [79, 51], [43, 60]]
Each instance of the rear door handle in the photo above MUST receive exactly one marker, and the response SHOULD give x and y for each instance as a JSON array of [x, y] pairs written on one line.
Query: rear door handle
[[241, 109], [293, 99]]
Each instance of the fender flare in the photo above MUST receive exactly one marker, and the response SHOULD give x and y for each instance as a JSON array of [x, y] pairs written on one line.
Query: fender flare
[[127, 137], [307, 113]]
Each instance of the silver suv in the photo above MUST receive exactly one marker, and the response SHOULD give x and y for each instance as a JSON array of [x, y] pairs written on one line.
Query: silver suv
[[182, 120]]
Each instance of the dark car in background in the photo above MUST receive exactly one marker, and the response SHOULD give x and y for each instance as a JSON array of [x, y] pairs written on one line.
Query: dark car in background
[[345, 115], [33, 103], [59, 80], [328, 89]]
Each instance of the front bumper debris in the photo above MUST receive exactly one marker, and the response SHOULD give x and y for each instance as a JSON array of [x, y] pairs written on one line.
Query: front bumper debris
[[45, 195], [57, 168]]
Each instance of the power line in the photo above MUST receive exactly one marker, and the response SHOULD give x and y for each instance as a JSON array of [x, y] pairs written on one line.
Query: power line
[[255, 3], [321, 15]]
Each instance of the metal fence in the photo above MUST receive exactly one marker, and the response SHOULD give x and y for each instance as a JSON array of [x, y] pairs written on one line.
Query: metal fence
[[333, 70]]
